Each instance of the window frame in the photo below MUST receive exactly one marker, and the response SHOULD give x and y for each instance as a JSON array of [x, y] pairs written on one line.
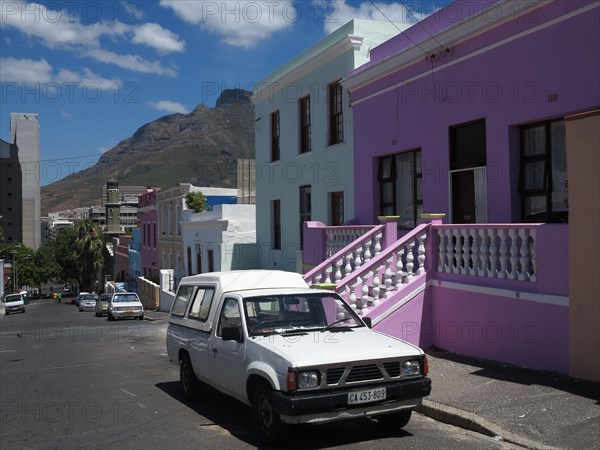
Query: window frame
[[276, 224], [547, 187], [275, 136], [392, 178], [336, 212], [304, 125], [336, 113], [305, 199]]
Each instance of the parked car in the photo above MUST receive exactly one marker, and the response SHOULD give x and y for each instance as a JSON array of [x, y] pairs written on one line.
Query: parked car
[[102, 304], [78, 298], [125, 304], [14, 303], [87, 302], [296, 355]]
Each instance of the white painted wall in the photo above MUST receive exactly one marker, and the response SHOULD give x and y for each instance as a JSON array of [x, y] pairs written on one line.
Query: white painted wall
[[227, 230], [326, 168]]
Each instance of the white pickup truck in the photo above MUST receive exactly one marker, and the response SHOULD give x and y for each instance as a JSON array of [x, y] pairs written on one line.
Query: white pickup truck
[[294, 354]]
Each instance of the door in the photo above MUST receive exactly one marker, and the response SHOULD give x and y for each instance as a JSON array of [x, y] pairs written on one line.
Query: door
[[227, 358], [468, 196]]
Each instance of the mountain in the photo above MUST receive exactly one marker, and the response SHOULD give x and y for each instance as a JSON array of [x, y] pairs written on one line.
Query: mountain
[[201, 148]]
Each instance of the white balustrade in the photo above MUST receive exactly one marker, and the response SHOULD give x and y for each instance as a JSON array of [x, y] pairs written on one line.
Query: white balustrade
[[494, 252]]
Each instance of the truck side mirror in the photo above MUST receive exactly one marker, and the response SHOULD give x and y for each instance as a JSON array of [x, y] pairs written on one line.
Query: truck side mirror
[[233, 333], [367, 321]]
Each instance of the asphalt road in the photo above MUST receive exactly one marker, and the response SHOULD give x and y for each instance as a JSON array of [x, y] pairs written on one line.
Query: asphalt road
[[69, 379]]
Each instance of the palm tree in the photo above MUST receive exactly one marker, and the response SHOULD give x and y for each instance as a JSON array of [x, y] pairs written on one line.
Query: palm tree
[[88, 252]]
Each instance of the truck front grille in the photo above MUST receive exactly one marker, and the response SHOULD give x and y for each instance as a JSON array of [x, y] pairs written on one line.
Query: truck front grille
[[392, 368], [364, 373], [334, 375]]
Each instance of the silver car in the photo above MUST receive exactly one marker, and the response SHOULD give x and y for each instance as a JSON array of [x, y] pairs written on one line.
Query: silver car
[[88, 302], [102, 304]]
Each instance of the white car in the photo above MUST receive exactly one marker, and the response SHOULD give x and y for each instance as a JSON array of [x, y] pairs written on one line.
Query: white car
[[125, 305], [14, 303]]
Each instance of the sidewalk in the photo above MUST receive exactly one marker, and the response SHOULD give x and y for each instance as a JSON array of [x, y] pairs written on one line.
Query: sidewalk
[[154, 316], [531, 408]]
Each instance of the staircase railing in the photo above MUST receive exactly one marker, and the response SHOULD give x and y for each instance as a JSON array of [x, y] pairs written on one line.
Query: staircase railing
[[372, 283], [348, 259]]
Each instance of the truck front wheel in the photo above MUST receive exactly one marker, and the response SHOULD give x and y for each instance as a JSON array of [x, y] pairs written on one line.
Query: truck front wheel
[[190, 384], [268, 422]]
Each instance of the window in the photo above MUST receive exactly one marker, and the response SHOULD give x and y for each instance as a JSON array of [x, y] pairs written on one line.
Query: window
[[154, 234], [401, 187], [336, 202], [230, 315], [305, 136], [202, 302], [179, 219], [189, 260], [544, 171], [211, 260], [182, 299], [276, 224], [468, 146], [305, 210], [275, 136], [336, 115]]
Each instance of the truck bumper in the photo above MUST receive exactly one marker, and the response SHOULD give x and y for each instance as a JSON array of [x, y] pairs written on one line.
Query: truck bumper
[[318, 407]]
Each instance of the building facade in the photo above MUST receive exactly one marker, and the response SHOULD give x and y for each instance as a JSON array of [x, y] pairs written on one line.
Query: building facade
[[304, 141], [11, 198], [171, 206], [488, 122], [25, 133], [219, 240]]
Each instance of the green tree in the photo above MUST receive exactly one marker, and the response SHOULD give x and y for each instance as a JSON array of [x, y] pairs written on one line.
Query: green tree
[[64, 256], [89, 246], [196, 201]]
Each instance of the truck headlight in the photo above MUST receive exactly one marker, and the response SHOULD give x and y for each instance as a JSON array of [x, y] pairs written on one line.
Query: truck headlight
[[411, 368], [308, 380]]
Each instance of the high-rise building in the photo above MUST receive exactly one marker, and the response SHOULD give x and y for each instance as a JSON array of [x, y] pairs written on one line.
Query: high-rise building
[[25, 134], [11, 211]]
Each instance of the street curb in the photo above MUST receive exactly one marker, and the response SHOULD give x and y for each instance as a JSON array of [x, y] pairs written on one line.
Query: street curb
[[471, 421], [154, 319]]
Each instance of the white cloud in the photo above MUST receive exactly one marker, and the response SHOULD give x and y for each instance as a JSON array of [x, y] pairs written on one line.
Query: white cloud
[[155, 36], [239, 23], [65, 114], [61, 29], [170, 107], [130, 62], [30, 71], [336, 13], [27, 71]]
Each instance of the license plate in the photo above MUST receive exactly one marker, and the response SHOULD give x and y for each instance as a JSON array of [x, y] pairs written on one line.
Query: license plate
[[128, 313], [366, 396]]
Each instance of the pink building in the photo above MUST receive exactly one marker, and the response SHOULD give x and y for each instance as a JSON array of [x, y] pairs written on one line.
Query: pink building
[[147, 222]]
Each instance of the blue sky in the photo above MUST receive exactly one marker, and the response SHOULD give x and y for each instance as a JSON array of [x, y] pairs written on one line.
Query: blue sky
[[95, 71]]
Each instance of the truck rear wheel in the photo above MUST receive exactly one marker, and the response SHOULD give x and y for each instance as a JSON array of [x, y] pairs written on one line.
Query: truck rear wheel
[[190, 384], [268, 422]]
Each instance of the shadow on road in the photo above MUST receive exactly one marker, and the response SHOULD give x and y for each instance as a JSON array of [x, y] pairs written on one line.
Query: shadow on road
[[236, 418]]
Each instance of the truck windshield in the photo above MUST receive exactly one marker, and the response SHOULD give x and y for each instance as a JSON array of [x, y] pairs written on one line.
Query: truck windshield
[[290, 312], [13, 298]]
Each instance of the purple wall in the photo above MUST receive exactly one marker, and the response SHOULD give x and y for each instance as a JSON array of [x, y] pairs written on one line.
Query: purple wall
[[508, 86], [521, 332]]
